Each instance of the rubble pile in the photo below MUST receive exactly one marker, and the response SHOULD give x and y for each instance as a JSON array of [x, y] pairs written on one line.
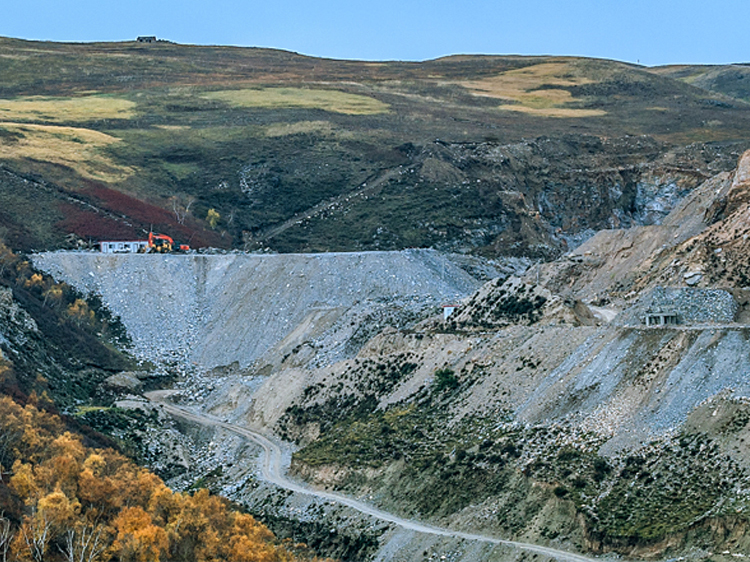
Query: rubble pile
[[213, 310]]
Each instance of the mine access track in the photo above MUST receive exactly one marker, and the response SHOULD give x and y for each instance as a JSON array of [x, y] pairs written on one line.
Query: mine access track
[[272, 472]]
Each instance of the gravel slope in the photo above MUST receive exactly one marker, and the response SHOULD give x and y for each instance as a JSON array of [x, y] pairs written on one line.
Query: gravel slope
[[214, 310]]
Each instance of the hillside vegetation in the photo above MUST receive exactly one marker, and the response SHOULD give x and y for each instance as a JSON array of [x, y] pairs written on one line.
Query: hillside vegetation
[[108, 140], [65, 493], [61, 500]]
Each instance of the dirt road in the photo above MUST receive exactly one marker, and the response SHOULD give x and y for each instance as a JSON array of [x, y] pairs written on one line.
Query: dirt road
[[271, 471]]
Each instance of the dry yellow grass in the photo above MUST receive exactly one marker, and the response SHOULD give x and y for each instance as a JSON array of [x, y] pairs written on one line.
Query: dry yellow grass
[[522, 86], [279, 98], [562, 112], [76, 148], [65, 110]]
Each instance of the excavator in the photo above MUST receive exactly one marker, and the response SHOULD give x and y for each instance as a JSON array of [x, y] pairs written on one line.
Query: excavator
[[163, 244]]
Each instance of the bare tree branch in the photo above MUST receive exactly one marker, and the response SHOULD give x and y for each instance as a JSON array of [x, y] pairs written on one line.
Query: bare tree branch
[[6, 537], [84, 544]]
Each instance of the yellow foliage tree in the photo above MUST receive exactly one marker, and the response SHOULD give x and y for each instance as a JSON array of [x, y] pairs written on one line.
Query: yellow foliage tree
[[49, 516], [23, 481], [250, 542], [55, 292], [93, 505], [36, 280], [212, 217], [80, 312], [138, 539]]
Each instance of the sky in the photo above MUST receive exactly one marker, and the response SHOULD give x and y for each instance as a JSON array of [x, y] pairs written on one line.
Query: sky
[[651, 32]]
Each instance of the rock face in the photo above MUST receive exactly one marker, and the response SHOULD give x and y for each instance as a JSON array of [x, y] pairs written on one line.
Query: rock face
[[125, 381], [214, 310]]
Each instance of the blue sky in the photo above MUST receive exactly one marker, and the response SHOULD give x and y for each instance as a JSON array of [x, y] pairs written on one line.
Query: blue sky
[[652, 32]]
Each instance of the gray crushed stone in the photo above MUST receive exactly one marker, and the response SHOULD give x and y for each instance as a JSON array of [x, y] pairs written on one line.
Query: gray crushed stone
[[210, 310]]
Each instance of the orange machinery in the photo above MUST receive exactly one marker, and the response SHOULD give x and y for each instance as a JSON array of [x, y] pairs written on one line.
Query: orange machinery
[[161, 243]]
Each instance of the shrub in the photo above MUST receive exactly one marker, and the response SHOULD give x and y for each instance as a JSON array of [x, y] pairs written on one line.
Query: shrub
[[445, 379]]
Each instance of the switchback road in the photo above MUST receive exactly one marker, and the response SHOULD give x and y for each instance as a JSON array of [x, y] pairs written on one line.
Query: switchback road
[[271, 471]]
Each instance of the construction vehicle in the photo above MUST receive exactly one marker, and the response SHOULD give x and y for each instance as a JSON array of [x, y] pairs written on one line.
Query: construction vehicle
[[156, 244], [163, 244]]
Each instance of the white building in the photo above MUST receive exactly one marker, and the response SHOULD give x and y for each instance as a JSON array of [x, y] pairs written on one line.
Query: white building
[[130, 247], [448, 310]]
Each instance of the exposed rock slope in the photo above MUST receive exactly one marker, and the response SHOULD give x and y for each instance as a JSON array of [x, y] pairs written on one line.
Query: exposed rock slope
[[703, 242], [514, 409]]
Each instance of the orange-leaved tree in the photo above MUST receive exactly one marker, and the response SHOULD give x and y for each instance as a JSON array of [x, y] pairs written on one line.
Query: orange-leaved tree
[[78, 504]]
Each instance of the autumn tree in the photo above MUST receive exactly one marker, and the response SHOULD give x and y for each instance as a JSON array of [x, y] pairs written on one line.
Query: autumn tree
[[212, 217], [250, 542], [76, 504], [80, 312], [86, 542], [48, 518], [138, 539], [36, 280], [55, 292]]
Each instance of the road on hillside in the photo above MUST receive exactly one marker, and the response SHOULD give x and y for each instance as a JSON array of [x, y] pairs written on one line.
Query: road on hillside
[[271, 471]]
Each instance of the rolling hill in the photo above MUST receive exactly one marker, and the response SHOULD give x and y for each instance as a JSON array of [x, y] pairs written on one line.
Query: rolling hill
[[488, 154]]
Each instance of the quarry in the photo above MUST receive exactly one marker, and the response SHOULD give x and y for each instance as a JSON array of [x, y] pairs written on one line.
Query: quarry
[[542, 398], [471, 309]]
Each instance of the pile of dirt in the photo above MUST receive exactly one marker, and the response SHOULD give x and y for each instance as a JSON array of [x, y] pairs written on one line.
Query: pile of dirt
[[214, 310]]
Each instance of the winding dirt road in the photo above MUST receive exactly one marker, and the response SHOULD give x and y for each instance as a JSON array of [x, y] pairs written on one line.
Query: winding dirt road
[[271, 471]]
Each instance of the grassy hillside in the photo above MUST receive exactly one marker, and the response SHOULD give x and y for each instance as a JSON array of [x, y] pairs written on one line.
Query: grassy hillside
[[731, 80], [111, 139]]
